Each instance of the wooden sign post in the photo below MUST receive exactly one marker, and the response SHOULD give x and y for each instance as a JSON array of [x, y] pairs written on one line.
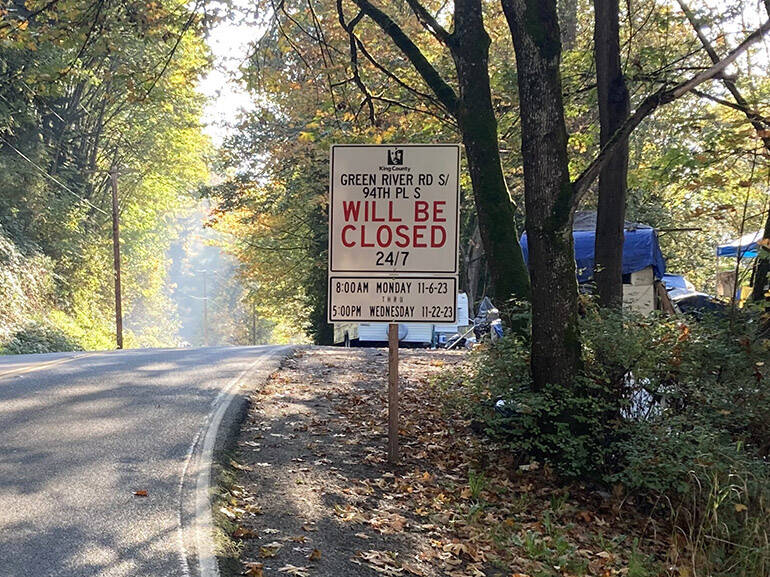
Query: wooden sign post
[[393, 393]]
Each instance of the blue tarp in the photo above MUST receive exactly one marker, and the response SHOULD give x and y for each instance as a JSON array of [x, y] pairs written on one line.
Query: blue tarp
[[675, 281], [640, 249], [746, 245]]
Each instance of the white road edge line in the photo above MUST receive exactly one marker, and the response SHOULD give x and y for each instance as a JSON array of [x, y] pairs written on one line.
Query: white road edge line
[[185, 566], [203, 524]]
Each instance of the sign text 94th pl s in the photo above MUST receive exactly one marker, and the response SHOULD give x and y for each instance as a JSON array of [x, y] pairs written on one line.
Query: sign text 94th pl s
[[394, 209]]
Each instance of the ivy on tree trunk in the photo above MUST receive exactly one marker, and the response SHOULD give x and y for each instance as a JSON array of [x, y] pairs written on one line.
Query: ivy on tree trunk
[[476, 117]]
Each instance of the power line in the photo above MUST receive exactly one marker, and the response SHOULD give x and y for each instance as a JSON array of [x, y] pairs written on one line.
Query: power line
[[52, 178]]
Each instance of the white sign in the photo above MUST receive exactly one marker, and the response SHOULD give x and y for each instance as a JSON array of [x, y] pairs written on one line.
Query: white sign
[[406, 299], [394, 208]]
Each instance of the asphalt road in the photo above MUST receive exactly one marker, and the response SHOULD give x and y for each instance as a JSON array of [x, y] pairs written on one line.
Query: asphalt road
[[80, 433]]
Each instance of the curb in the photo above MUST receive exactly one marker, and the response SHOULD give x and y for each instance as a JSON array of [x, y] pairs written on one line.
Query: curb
[[203, 524]]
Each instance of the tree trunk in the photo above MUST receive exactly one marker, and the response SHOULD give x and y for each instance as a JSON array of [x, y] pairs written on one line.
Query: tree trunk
[[476, 116], [473, 263], [568, 22], [762, 270], [548, 192], [613, 112]]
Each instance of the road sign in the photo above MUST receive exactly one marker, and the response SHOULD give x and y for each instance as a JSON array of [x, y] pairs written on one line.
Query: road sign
[[401, 299], [394, 209], [394, 215]]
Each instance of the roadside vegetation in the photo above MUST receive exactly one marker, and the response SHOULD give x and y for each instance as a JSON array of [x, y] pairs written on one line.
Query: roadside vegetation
[[677, 425], [87, 87]]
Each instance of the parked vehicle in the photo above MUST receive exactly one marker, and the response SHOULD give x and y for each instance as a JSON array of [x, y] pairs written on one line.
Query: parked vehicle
[[696, 303]]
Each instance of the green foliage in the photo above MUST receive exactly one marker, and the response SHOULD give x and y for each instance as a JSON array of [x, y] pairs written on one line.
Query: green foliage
[[26, 284], [663, 407], [39, 337], [86, 86]]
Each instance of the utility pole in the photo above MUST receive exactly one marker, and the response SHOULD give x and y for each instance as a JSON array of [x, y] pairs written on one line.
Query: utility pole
[[253, 323], [116, 257], [205, 313]]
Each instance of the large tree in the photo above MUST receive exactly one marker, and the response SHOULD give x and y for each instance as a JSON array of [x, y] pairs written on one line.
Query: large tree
[[472, 109], [613, 110], [551, 198]]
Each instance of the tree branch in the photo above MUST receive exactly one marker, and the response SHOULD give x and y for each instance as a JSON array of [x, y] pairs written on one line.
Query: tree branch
[[429, 22], [419, 93], [650, 105], [750, 113], [433, 79], [354, 59], [758, 122]]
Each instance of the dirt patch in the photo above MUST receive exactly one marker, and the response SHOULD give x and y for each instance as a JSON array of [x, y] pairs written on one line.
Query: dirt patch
[[310, 492]]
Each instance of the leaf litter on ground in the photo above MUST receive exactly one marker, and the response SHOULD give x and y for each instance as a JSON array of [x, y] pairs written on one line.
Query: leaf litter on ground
[[457, 504]]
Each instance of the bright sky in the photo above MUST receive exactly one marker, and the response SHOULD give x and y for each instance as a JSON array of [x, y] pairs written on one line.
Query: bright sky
[[229, 42]]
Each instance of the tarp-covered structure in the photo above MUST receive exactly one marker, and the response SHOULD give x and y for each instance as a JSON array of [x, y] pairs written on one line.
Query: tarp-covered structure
[[640, 248], [746, 246]]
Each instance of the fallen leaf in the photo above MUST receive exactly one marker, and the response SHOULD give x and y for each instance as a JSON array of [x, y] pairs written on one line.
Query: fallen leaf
[[604, 554], [253, 509], [244, 533], [253, 569], [294, 570], [296, 538], [237, 465], [381, 561], [140, 493], [315, 555], [270, 550], [229, 513], [389, 523], [414, 569]]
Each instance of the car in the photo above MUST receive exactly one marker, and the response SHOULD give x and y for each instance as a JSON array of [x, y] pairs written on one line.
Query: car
[[697, 304]]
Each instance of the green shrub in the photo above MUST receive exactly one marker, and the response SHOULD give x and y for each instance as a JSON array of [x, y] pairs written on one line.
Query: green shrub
[[40, 337], [26, 285], [675, 411]]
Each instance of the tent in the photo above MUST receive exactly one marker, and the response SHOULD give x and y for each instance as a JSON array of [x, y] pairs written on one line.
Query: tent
[[640, 248], [747, 246]]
